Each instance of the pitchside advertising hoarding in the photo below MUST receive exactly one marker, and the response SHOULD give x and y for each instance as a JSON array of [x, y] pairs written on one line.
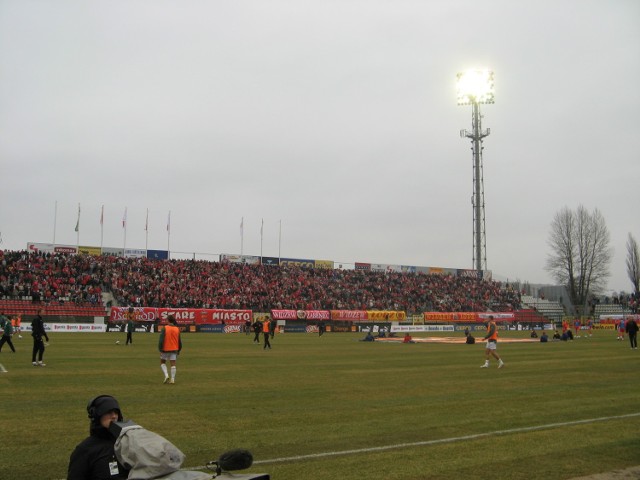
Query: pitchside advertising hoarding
[[183, 316], [200, 316], [69, 327], [470, 317]]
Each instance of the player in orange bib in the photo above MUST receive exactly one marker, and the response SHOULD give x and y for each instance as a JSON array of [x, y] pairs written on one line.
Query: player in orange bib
[[492, 340], [169, 345]]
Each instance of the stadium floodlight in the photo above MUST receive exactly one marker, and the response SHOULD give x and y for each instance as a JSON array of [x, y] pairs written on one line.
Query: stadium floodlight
[[476, 87]]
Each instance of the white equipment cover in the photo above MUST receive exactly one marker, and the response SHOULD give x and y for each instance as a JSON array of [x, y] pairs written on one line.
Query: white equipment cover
[[151, 456]]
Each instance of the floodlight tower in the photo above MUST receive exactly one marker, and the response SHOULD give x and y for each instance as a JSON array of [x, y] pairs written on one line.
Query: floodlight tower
[[474, 88]]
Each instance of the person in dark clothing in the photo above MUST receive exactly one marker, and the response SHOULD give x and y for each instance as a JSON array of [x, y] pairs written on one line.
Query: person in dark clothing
[[6, 336], [266, 332], [37, 332], [94, 458], [369, 337], [131, 326], [257, 329], [321, 328], [631, 328]]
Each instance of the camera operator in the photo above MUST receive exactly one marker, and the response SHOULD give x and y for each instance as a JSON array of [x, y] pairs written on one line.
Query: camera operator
[[94, 458]]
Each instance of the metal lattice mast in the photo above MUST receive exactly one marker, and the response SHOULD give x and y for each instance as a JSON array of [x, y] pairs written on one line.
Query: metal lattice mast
[[479, 226], [476, 87]]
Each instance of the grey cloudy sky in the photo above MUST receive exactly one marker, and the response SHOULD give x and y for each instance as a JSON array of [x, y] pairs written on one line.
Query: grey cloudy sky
[[337, 117]]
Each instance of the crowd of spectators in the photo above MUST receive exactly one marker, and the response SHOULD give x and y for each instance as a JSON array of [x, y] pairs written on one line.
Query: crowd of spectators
[[50, 279], [206, 284]]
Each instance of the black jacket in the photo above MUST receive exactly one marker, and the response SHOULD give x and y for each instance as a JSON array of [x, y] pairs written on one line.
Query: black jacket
[[37, 329], [94, 458]]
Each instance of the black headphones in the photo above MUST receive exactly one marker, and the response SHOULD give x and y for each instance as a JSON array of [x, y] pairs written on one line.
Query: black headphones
[[91, 407]]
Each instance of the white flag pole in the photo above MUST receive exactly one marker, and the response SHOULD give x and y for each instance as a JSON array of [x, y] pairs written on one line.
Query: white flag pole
[[261, 238], [169, 236], [55, 220], [124, 226], [146, 232], [242, 236], [280, 242], [78, 228], [101, 228]]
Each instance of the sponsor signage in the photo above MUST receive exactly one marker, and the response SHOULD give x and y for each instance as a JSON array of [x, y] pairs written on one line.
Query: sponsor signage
[[70, 327], [271, 261], [467, 316], [422, 328], [184, 316], [391, 315], [51, 248], [158, 254], [94, 251], [349, 315], [295, 328], [297, 262], [247, 259], [470, 273], [113, 252], [328, 264], [308, 315], [619, 317], [256, 260]]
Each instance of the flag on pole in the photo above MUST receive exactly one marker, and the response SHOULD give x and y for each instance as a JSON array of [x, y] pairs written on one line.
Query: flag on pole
[[146, 223], [78, 222], [124, 218], [102, 216], [169, 222], [242, 236], [262, 227]]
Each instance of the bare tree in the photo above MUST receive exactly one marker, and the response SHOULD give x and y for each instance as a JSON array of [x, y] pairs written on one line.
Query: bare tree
[[633, 263], [580, 253]]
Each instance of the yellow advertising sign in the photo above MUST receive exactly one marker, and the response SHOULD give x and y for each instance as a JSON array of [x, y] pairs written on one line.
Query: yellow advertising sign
[[386, 315], [324, 264], [95, 251]]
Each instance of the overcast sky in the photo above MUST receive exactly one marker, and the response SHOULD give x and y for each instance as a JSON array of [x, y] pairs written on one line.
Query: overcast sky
[[337, 118]]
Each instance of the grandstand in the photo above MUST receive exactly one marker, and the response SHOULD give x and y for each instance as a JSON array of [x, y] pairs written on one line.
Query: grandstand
[[65, 282], [610, 309], [551, 310], [78, 285], [26, 306]]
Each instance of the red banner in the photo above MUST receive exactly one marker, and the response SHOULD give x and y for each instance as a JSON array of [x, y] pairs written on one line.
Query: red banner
[[300, 315], [184, 316], [350, 315]]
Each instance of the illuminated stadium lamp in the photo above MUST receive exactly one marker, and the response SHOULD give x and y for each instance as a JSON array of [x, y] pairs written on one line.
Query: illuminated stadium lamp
[[476, 87]]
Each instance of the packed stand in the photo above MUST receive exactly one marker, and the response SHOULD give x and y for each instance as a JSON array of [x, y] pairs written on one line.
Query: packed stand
[[52, 279], [205, 284]]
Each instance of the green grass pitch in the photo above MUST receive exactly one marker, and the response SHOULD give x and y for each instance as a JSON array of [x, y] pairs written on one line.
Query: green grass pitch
[[332, 407]]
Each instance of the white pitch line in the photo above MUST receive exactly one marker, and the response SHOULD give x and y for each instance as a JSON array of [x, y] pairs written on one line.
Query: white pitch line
[[442, 440], [433, 442]]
